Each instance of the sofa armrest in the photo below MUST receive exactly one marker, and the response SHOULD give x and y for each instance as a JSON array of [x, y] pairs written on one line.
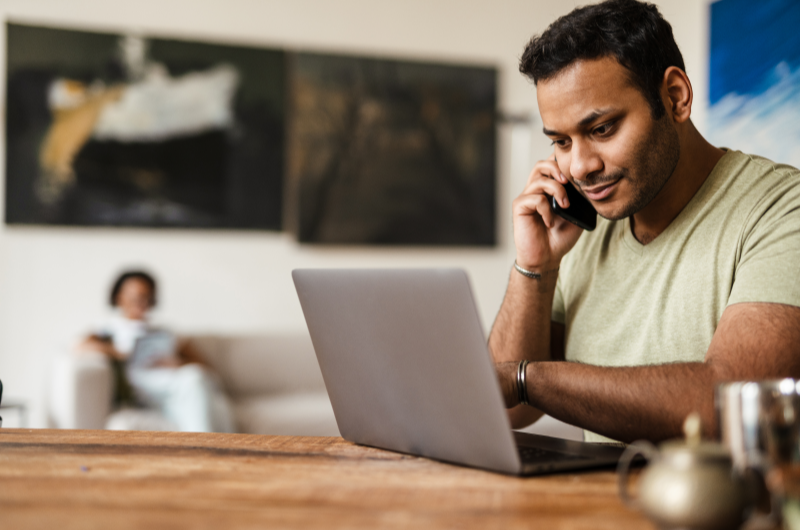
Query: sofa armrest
[[81, 391]]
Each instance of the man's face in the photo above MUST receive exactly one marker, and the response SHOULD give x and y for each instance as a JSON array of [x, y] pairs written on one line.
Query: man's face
[[605, 139]]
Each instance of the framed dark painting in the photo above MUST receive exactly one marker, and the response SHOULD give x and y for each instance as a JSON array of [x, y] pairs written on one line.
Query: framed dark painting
[[392, 152], [123, 130]]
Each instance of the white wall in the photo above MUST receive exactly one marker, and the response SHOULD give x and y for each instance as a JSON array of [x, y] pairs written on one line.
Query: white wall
[[54, 281]]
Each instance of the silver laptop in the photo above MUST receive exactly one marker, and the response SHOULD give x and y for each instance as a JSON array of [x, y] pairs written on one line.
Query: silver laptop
[[406, 366]]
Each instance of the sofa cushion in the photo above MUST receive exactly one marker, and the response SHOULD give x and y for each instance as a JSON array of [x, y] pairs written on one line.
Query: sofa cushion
[[299, 414], [269, 364]]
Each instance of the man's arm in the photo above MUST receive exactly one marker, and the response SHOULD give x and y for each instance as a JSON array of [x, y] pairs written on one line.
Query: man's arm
[[753, 341], [522, 329]]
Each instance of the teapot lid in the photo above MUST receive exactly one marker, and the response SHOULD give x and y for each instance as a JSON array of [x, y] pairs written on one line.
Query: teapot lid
[[692, 448]]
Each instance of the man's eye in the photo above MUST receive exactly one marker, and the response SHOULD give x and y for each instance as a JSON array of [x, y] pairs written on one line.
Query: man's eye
[[603, 129], [560, 143]]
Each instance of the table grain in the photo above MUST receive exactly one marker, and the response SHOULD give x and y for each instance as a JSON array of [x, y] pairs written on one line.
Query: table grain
[[65, 479]]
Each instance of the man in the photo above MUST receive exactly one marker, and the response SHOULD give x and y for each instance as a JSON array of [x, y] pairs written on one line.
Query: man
[[691, 277]]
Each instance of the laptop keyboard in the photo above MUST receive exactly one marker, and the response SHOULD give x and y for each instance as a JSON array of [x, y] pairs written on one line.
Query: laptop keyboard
[[536, 455]]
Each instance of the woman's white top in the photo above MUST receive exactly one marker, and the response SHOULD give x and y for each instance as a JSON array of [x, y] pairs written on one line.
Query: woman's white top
[[124, 332]]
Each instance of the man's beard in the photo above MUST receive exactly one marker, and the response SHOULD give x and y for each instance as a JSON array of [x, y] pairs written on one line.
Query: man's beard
[[655, 160]]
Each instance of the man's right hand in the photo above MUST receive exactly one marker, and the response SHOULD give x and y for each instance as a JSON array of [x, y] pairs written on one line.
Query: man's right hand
[[541, 236]]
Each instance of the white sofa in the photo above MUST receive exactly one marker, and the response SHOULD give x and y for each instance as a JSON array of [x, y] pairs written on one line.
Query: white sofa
[[273, 382]]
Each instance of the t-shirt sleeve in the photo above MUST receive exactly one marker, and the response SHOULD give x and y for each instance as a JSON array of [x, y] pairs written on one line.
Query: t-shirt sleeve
[[768, 269], [558, 313]]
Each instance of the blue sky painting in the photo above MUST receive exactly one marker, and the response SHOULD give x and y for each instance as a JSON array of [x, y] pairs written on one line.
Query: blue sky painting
[[754, 87]]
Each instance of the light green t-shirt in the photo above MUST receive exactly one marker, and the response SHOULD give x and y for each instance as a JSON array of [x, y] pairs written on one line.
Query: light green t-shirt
[[738, 240]]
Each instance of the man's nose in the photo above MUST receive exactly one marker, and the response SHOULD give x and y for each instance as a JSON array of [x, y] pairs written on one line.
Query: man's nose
[[584, 161]]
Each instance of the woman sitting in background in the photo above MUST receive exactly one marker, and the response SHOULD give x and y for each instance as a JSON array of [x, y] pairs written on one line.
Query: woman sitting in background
[[180, 385]]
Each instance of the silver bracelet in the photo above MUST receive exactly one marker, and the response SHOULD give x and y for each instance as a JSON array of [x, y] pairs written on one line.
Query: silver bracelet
[[526, 272], [522, 382], [531, 274]]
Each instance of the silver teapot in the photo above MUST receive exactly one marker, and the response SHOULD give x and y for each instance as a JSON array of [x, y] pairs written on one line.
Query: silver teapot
[[688, 484]]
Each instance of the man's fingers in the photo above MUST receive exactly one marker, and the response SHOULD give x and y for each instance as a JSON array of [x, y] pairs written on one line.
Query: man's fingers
[[549, 187], [535, 204], [548, 169], [547, 178], [546, 212]]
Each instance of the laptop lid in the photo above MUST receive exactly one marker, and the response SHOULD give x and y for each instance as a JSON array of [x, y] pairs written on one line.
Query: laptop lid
[[406, 365]]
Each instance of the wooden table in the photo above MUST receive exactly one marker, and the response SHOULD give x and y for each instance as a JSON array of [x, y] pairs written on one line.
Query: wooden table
[[102, 479]]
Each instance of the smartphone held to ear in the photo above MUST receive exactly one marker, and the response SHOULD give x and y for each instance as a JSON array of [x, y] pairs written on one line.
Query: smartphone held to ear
[[580, 210]]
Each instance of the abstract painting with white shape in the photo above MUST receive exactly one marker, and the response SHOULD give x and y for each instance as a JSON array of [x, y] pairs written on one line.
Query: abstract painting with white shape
[[755, 78], [111, 129]]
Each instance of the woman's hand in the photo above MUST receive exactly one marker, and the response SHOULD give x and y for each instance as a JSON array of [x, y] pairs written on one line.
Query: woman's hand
[[542, 237], [96, 343], [167, 362], [188, 353]]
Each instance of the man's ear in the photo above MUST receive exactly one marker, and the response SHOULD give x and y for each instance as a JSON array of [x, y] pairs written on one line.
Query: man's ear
[[678, 93]]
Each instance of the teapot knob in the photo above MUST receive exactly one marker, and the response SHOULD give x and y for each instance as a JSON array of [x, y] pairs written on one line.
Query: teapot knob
[[692, 428]]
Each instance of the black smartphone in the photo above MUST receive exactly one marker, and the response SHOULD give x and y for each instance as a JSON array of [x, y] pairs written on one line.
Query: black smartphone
[[580, 210]]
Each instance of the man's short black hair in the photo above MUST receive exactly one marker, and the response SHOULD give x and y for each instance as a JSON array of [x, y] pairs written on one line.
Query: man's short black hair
[[632, 32], [139, 275]]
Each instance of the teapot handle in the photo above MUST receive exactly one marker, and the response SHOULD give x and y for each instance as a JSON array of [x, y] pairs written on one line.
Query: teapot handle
[[642, 447]]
